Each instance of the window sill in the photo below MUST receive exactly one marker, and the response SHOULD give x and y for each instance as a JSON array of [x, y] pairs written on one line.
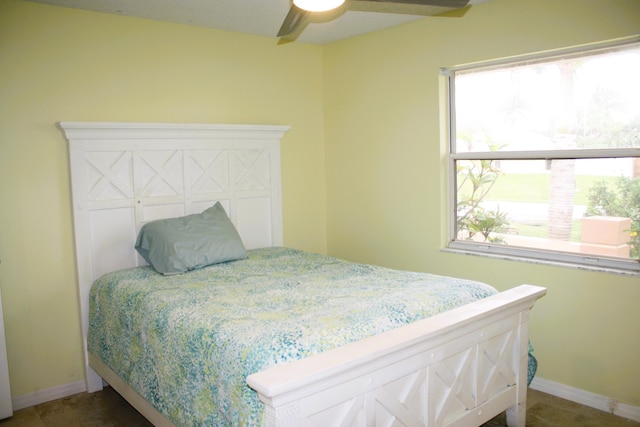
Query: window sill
[[463, 250]]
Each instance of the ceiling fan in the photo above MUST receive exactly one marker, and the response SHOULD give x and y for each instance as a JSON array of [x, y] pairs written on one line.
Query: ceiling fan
[[304, 11]]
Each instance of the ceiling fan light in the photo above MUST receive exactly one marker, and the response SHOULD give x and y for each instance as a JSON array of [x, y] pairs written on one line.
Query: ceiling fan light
[[318, 5]]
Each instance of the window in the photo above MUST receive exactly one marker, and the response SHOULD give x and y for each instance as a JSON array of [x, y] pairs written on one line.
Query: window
[[545, 157]]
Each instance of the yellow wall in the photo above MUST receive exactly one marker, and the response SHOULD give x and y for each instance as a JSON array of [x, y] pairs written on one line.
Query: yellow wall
[[62, 64], [368, 104], [385, 180]]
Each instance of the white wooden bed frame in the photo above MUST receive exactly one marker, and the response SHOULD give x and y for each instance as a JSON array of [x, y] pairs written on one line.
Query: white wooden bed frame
[[459, 368]]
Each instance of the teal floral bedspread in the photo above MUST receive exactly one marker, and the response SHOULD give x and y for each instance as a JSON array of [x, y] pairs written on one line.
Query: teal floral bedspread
[[187, 343]]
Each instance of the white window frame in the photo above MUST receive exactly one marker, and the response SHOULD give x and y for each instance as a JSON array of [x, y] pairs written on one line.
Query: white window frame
[[582, 261]]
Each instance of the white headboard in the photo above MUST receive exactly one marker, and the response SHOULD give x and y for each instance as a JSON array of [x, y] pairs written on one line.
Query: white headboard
[[126, 174]]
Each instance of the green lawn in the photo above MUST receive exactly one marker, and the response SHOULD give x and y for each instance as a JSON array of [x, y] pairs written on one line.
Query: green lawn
[[541, 230], [534, 188]]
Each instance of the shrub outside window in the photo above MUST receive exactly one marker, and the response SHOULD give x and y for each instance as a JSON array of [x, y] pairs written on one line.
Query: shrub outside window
[[545, 157]]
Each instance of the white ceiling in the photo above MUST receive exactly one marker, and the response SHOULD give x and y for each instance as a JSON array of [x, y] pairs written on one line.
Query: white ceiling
[[259, 17]]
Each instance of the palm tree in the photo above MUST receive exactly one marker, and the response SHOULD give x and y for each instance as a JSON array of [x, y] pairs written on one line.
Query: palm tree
[[563, 170]]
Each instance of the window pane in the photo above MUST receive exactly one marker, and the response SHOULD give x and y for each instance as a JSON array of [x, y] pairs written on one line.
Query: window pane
[[583, 206], [577, 103]]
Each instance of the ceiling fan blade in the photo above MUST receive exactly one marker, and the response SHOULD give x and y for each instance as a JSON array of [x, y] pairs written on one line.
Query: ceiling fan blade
[[455, 13], [408, 7], [444, 3], [293, 23], [297, 19]]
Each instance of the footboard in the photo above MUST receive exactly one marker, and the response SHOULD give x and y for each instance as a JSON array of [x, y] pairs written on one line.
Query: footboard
[[458, 368]]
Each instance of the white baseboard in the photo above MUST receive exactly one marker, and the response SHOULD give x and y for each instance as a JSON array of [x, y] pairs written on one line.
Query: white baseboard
[[42, 396], [587, 398]]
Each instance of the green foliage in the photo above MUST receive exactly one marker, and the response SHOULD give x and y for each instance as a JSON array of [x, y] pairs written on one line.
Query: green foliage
[[486, 223], [477, 177], [609, 134], [621, 201]]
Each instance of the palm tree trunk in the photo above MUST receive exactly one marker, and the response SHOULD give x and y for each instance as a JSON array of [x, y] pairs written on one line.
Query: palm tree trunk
[[563, 171], [561, 199]]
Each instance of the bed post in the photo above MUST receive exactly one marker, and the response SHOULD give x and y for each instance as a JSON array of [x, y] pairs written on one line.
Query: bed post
[[516, 414]]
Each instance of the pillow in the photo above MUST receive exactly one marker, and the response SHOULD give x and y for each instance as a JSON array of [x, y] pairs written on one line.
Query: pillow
[[177, 245]]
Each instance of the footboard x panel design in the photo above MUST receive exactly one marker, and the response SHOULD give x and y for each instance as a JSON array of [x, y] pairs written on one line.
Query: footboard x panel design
[[458, 368]]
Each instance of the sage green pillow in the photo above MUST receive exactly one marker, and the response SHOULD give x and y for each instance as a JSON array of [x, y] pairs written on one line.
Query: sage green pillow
[[177, 245]]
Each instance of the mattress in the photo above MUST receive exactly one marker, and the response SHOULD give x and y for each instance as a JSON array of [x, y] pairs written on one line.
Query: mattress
[[186, 343]]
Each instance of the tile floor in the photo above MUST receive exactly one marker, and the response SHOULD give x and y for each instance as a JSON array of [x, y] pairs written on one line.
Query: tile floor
[[107, 409]]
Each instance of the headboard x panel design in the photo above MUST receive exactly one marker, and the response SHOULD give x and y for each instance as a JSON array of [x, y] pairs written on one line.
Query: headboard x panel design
[[126, 174]]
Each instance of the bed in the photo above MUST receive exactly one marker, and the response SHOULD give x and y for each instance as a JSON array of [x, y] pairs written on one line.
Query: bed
[[320, 355]]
